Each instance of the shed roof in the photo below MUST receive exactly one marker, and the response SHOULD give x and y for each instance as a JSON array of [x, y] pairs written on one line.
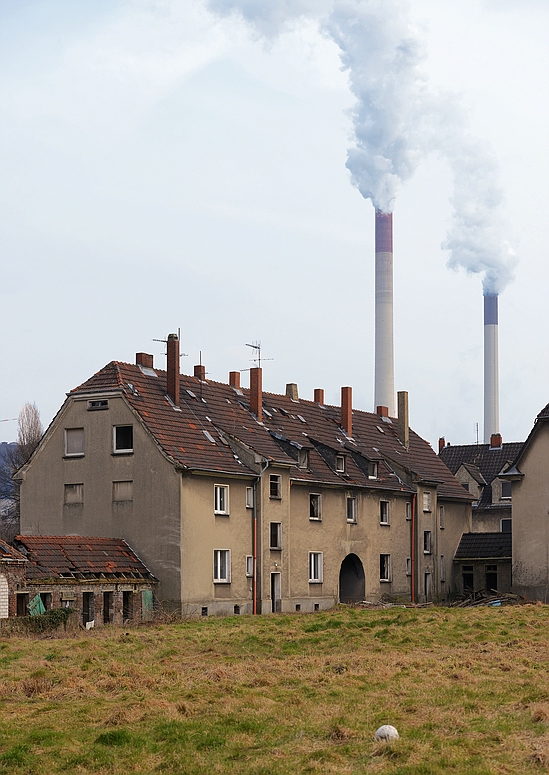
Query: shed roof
[[484, 546]]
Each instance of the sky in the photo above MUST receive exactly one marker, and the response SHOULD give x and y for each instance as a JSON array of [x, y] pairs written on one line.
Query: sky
[[163, 167]]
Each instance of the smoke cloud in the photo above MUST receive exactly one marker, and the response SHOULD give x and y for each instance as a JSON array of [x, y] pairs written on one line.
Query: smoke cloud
[[397, 121]]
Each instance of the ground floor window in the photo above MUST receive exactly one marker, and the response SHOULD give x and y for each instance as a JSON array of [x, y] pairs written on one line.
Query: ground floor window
[[467, 578], [385, 567], [222, 566], [315, 567]]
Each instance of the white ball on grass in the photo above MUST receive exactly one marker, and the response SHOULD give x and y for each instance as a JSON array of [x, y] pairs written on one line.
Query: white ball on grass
[[386, 733]]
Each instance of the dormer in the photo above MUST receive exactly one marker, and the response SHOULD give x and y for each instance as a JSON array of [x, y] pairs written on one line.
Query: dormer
[[469, 476]]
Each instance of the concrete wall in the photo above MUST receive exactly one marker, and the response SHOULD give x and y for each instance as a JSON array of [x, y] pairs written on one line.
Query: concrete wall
[[149, 523]]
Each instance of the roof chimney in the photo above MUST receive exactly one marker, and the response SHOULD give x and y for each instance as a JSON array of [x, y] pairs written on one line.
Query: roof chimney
[[200, 372], [234, 379], [403, 427], [256, 393], [441, 443], [496, 441], [291, 391], [319, 396], [173, 379], [382, 411], [144, 359], [347, 410]]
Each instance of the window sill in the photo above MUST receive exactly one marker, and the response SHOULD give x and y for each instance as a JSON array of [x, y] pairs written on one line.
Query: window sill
[[315, 581], [385, 581], [275, 497], [351, 521], [72, 457], [222, 514], [221, 581], [315, 519], [275, 548], [122, 453], [385, 524]]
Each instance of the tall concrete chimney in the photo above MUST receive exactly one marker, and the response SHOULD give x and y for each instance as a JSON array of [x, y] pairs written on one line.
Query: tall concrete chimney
[[491, 369], [384, 387], [256, 393], [173, 378]]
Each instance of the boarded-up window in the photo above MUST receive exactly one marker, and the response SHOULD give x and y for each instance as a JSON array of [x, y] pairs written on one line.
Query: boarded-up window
[[74, 441], [147, 605], [74, 493], [122, 491]]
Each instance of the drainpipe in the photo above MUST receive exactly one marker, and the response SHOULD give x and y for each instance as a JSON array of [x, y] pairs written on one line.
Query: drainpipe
[[254, 539], [413, 548]]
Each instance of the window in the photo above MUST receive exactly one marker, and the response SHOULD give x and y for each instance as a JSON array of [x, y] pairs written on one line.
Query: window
[[426, 542], [442, 569], [340, 464], [221, 498], [249, 497], [372, 470], [467, 577], [122, 491], [408, 511], [74, 442], [74, 493], [123, 438], [426, 501], [505, 525], [384, 512], [506, 488], [351, 509], [315, 567], [93, 406], [315, 506], [275, 488], [408, 566], [222, 566], [275, 541], [127, 605], [303, 458], [441, 517], [385, 567], [249, 565]]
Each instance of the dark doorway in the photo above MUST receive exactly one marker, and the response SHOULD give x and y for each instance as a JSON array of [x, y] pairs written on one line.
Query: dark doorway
[[22, 604], [87, 607], [352, 586], [107, 607], [492, 578], [45, 597], [276, 602], [127, 606], [467, 578]]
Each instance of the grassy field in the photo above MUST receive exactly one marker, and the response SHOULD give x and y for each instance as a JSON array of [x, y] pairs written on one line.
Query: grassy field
[[468, 690]]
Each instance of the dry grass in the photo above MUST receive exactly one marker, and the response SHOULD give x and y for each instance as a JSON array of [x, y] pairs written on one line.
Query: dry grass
[[468, 690]]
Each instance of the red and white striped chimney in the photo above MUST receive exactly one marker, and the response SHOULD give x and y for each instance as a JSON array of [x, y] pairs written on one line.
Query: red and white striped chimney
[[384, 379]]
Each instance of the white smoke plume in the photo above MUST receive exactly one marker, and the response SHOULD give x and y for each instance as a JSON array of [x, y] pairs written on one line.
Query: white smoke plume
[[397, 121]]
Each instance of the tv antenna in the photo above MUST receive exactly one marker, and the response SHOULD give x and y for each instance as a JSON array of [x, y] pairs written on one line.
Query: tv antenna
[[256, 346], [181, 355]]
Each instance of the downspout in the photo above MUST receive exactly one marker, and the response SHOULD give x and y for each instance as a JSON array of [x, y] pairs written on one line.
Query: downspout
[[254, 539], [413, 548]]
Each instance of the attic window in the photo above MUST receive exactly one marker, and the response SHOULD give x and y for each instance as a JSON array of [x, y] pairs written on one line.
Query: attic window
[[380, 429], [372, 470], [301, 418], [506, 490], [123, 438], [190, 392], [147, 371], [303, 458], [133, 390], [74, 442], [340, 464], [266, 411], [209, 436], [99, 404]]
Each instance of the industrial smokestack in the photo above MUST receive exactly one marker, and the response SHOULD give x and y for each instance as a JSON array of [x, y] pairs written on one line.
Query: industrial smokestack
[[384, 388], [491, 376]]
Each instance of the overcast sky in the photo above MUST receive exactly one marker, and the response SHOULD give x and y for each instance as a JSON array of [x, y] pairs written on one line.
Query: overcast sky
[[162, 168]]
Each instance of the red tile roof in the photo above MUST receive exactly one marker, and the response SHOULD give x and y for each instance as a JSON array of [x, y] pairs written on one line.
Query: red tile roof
[[77, 556], [194, 437]]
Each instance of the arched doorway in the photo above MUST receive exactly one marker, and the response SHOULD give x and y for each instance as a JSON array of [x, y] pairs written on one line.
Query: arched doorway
[[352, 587]]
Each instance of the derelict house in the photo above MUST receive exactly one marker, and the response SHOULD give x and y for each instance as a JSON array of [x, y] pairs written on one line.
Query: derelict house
[[240, 501]]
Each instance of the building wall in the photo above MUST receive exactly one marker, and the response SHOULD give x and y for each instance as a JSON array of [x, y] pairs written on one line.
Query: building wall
[[530, 520], [457, 520], [149, 522], [479, 569]]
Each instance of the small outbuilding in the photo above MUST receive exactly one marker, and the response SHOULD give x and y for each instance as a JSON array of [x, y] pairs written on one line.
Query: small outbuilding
[[483, 563]]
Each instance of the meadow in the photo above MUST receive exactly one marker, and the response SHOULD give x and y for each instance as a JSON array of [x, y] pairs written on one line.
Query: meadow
[[468, 690]]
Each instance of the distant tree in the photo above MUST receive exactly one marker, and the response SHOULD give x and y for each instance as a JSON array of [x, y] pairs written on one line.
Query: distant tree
[[29, 433]]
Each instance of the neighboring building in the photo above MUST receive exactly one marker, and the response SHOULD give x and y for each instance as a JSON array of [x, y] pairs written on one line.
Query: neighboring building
[[483, 562], [241, 501], [528, 476], [101, 578]]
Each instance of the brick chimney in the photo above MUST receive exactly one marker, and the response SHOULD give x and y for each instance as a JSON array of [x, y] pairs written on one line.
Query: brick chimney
[[173, 378], [234, 379], [144, 359], [403, 426], [347, 410], [441, 443], [256, 393], [496, 441], [382, 411], [319, 396], [200, 372], [292, 391]]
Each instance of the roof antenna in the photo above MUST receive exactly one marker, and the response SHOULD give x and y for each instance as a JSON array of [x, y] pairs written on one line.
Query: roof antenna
[[257, 347], [477, 432], [181, 355]]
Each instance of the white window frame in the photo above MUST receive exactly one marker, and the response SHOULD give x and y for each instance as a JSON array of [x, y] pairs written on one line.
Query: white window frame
[[427, 542], [373, 470], [74, 454], [218, 556], [249, 566], [340, 464], [408, 511], [387, 515], [441, 518], [318, 517], [249, 497], [221, 499], [505, 497], [278, 545], [275, 479], [426, 500], [408, 566], [125, 450], [387, 563], [352, 501], [505, 519], [316, 569], [303, 458]]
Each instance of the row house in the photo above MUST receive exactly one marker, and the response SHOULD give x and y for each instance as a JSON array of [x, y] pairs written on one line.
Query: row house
[[243, 501]]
